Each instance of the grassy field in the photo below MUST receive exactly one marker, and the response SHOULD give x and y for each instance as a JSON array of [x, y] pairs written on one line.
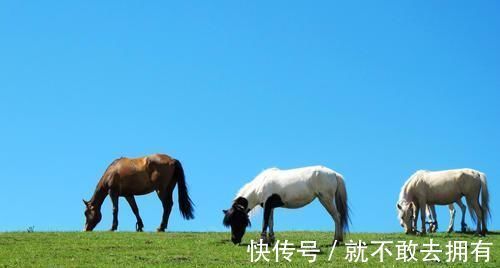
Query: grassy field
[[200, 249]]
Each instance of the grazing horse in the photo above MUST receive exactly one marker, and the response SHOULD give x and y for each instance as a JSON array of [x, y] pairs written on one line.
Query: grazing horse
[[138, 176], [443, 188], [433, 224], [293, 188]]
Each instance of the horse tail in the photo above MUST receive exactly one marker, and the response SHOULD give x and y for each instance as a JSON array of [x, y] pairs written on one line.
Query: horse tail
[[185, 203], [341, 203], [485, 197]]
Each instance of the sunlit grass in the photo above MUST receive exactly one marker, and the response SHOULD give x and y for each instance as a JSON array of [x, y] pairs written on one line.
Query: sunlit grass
[[202, 249]]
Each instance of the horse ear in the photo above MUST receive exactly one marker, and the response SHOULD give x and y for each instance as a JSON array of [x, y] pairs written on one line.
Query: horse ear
[[410, 206], [399, 206], [85, 202], [224, 211]]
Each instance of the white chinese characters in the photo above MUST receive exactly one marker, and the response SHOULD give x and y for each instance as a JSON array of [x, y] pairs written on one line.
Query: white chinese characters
[[361, 251]]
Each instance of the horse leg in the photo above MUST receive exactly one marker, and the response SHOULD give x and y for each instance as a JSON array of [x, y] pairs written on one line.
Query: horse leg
[[416, 210], [271, 227], [422, 217], [133, 205], [474, 205], [329, 205], [452, 217], [463, 208], [265, 223], [272, 202], [483, 220], [429, 215], [434, 224], [114, 199], [167, 203]]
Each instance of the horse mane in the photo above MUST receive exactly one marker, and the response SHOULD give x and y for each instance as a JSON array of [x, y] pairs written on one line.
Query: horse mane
[[112, 164], [244, 189], [408, 182], [100, 192], [226, 221], [250, 184]]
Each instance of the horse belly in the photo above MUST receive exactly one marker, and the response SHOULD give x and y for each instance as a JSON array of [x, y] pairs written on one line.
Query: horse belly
[[136, 185], [296, 197], [443, 198], [443, 201], [298, 202]]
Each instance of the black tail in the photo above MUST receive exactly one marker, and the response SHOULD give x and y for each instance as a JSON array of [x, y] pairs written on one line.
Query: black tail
[[341, 202], [185, 203]]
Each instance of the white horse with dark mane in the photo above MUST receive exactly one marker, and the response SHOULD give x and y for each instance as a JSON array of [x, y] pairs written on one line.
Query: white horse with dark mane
[[428, 188], [293, 188]]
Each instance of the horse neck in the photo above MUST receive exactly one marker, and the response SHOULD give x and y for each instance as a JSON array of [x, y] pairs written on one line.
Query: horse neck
[[99, 195], [406, 193], [250, 194]]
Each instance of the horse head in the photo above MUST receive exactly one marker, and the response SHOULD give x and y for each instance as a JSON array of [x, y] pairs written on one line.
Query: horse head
[[406, 216], [237, 218], [92, 216]]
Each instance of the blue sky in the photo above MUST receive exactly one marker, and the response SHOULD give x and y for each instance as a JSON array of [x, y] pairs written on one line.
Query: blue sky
[[374, 90]]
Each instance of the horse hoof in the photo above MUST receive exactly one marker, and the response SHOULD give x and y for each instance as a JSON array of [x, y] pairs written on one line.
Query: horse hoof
[[160, 230], [271, 239], [450, 230]]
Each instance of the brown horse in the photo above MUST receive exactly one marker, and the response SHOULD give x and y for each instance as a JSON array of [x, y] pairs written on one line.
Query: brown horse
[[138, 176]]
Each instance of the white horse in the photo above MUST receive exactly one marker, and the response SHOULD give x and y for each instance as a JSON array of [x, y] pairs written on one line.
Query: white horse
[[443, 188], [292, 188], [433, 224]]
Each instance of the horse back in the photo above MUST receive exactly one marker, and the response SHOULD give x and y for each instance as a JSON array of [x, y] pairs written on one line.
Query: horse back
[[140, 175], [314, 179], [449, 185]]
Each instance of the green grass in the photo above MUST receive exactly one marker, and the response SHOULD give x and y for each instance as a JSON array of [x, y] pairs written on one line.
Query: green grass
[[197, 249]]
